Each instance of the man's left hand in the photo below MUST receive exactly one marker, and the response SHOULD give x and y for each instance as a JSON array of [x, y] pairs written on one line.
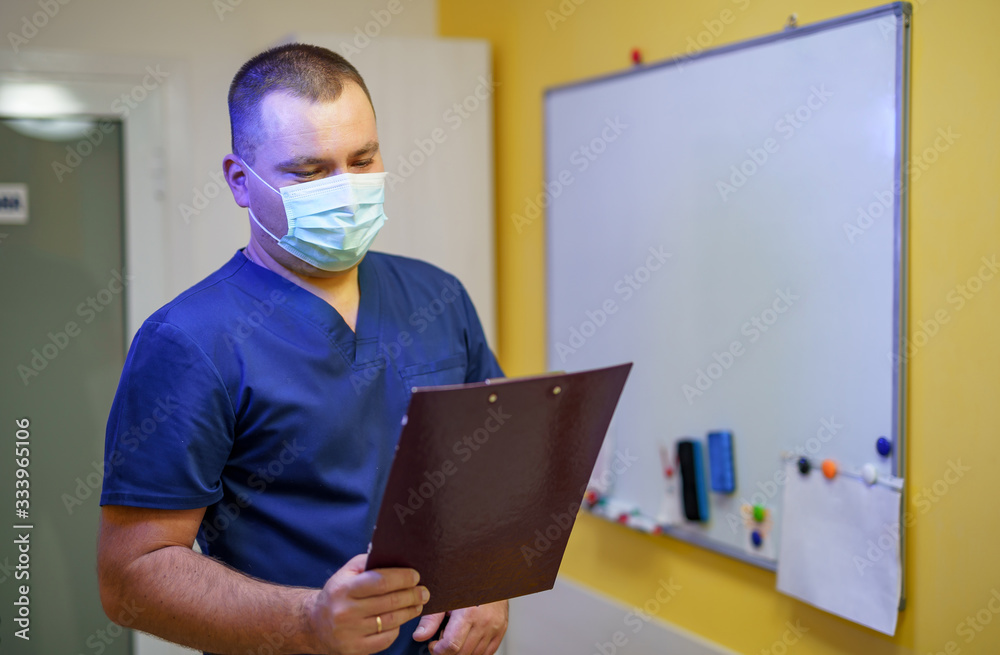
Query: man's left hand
[[471, 631]]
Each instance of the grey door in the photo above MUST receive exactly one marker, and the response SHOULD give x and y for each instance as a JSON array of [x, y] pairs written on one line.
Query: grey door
[[62, 330]]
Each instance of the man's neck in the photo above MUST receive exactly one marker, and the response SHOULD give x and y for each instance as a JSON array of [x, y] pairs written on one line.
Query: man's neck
[[341, 290]]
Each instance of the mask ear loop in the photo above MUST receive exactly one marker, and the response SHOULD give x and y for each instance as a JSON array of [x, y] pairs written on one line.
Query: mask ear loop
[[261, 226], [247, 166]]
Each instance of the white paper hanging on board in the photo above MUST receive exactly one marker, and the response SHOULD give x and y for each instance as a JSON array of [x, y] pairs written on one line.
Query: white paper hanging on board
[[840, 547]]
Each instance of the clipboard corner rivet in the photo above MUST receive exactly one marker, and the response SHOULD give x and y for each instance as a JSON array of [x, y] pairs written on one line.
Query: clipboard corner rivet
[[492, 398], [556, 390]]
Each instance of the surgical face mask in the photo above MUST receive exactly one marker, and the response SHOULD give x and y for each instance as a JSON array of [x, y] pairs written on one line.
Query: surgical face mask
[[333, 221]]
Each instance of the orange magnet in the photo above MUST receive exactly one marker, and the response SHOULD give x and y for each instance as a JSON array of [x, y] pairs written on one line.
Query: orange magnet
[[829, 468]]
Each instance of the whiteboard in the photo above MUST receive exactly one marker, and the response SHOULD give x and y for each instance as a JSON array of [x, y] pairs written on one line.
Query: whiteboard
[[733, 222]]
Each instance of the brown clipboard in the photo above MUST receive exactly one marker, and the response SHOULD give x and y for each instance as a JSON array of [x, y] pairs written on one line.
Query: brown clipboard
[[487, 481]]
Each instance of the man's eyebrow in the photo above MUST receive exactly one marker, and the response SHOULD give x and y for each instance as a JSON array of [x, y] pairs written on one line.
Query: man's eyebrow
[[369, 148], [297, 162]]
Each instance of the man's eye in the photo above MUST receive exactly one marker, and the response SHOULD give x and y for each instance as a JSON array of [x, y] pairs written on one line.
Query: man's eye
[[363, 163], [306, 174]]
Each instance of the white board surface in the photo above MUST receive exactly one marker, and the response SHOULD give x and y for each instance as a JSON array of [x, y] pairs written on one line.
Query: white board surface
[[733, 224]]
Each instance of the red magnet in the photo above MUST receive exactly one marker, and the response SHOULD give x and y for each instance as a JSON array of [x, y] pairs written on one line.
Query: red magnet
[[636, 56]]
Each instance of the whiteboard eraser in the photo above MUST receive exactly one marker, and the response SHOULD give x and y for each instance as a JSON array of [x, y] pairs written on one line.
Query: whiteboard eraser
[[692, 480]]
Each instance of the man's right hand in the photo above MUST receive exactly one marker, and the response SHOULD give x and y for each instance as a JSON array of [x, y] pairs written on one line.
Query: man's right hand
[[347, 613], [145, 561]]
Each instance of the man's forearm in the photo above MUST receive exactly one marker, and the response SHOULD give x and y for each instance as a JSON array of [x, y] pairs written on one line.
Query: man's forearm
[[193, 600]]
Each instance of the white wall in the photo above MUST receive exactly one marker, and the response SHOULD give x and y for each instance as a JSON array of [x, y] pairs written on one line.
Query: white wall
[[571, 618]]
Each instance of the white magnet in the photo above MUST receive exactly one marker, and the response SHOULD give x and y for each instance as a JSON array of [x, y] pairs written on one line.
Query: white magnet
[[869, 474]]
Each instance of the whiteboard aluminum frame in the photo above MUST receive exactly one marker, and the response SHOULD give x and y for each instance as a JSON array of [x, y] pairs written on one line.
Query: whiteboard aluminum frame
[[902, 12]]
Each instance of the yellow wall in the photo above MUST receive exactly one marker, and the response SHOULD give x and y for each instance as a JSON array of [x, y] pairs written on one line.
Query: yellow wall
[[953, 402]]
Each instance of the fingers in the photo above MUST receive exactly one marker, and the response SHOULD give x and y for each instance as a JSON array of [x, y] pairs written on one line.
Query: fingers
[[455, 635], [494, 645], [360, 611], [380, 592], [406, 598], [473, 631], [428, 626], [394, 608], [382, 582], [356, 564], [476, 644], [407, 603], [392, 588]]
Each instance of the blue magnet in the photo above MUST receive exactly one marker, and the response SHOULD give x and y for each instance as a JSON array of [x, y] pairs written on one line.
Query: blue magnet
[[883, 446], [756, 538], [804, 466], [722, 474]]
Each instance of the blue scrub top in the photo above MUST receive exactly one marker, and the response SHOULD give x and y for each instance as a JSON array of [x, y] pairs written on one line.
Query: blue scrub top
[[251, 396]]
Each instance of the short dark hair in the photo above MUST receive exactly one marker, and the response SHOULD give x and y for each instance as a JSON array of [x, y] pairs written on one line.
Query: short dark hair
[[305, 71]]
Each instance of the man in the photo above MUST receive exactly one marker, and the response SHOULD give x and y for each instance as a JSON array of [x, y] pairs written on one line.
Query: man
[[258, 411]]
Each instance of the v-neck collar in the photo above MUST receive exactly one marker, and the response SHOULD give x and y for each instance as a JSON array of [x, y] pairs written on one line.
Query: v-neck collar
[[359, 346]]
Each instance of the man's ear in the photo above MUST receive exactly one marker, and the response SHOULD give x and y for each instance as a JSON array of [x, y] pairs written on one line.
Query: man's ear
[[236, 177]]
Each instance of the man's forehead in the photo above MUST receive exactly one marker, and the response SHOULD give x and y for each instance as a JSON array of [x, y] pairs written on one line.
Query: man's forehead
[[282, 106], [349, 120]]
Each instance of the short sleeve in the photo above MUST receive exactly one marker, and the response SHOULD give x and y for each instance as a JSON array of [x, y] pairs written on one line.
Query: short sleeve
[[171, 426], [482, 363]]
